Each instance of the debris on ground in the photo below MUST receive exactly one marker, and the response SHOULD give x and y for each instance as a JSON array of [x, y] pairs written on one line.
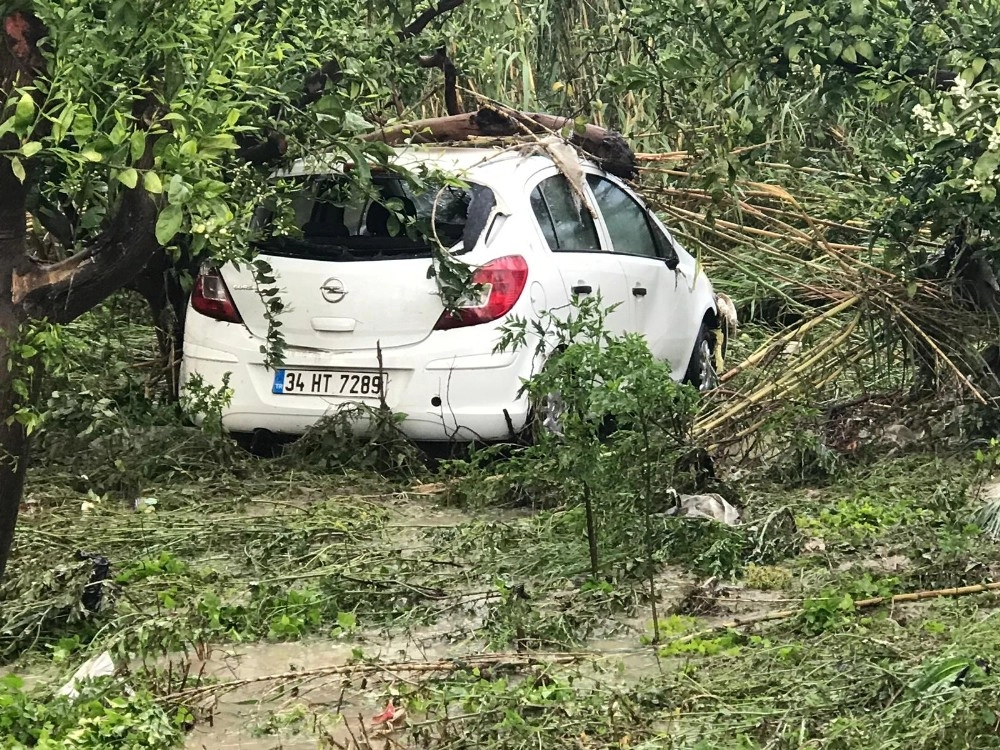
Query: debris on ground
[[101, 665], [710, 505]]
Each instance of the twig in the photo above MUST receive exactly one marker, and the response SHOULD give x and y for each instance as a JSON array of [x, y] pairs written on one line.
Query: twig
[[370, 669]]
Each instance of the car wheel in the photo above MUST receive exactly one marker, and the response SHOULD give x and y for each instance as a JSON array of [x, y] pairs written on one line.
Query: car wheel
[[701, 369], [259, 443]]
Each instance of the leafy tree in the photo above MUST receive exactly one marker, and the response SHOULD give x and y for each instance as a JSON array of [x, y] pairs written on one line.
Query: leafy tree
[[130, 130]]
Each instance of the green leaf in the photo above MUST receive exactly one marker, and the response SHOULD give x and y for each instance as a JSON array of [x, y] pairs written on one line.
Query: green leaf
[[151, 182], [796, 17], [355, 123], [793, 52], [17, 168], [224, 142], [128, 177], [169, 223], [865, 50], [31, 148], [360, 163], [347, 620], [849, 54], [137, 144], [986, 165], [90, 154], [83, 126], [24, 113]]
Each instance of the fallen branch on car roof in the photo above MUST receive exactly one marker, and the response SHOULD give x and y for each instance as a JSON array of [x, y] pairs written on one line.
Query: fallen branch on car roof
[[608, 148]]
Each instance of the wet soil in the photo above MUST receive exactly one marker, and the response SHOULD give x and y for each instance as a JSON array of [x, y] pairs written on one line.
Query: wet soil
[[236, 719]]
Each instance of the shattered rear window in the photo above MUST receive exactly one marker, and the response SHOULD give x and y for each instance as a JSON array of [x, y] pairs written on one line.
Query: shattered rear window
[[325, 219]]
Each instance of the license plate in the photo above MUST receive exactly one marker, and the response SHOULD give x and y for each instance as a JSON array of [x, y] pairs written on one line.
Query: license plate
[[329, 383]]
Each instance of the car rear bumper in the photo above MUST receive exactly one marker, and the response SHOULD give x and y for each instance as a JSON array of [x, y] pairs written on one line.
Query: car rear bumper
[[461, 397]]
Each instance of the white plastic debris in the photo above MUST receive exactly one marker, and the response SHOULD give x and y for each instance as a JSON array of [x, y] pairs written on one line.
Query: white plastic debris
[[99, 666], [709, 505], [727, 313]]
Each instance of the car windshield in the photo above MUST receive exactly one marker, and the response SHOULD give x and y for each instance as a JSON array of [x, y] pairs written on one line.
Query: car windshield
[[325, 218]]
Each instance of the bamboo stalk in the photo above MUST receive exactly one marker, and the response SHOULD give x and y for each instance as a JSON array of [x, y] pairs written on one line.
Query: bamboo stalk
[[773, 235], [785, 379], [937, 350], [788, 335]]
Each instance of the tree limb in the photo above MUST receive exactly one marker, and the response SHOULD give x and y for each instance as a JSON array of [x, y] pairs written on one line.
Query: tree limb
[[65, 290], [253, 150], [607, 147], [441, 60], [423, 20]]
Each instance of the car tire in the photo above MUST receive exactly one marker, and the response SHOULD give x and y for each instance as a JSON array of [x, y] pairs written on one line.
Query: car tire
[[701, 371], [259, 443]]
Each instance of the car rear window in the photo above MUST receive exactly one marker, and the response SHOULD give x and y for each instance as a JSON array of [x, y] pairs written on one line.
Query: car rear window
[[324, 218]]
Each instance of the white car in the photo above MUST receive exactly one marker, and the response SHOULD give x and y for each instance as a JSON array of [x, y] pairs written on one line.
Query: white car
[[357, 288]]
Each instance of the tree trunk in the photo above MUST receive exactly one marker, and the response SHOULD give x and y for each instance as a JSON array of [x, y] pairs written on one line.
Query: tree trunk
[[13, 455], [159, 285], [13, 440]]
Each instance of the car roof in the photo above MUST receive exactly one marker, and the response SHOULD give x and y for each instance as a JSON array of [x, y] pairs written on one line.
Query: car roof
[[490, 162]]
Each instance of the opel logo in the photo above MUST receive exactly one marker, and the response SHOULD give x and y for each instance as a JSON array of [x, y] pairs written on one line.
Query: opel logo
[[333, 290]]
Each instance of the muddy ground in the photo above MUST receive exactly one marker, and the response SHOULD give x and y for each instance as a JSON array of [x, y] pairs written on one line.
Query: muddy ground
[[331, 595]]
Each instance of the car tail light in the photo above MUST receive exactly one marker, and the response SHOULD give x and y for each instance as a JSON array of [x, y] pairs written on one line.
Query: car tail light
[[502, 281], [211, 297]]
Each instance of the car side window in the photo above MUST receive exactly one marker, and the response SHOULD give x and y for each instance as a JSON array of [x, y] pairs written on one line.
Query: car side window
[[565, 221], [625, 219], [668, 250]]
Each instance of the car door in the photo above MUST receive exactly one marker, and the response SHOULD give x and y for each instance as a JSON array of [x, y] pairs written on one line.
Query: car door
[[658, 291], [585, 266]]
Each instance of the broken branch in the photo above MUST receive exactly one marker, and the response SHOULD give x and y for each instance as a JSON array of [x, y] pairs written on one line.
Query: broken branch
[[423, 20], [502, 660]]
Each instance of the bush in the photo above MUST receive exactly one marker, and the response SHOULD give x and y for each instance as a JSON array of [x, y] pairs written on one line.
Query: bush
[[99, 718]]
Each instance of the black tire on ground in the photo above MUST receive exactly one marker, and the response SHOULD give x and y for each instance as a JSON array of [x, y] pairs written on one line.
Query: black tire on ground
[[701, 369], [259, 443]]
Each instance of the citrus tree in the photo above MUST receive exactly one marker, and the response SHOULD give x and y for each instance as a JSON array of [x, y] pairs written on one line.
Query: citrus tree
[[134, 132]]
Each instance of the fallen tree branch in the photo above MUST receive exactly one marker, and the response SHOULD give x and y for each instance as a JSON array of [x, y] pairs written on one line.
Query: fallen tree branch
[[423, 20], [441, 60], [496, 661], [64, 290], [607, 147]]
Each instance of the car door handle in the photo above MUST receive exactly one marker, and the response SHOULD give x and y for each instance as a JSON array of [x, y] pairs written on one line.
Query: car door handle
[[582, 289], [639, 291]]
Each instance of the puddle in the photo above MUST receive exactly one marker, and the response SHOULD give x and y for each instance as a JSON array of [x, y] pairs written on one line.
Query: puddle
[[239, 713]]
